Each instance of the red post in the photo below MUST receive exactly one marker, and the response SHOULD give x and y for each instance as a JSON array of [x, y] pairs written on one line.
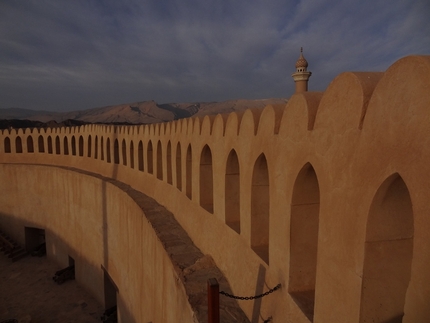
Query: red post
[[213, 301]]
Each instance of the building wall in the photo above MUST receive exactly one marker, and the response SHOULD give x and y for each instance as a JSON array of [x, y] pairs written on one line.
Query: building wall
[[331, 190]]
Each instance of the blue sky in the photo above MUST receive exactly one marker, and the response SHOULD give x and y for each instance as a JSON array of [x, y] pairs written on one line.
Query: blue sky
[[72, 55]]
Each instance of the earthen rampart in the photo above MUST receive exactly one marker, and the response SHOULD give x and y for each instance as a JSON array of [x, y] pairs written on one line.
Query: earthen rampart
[[327, 195]]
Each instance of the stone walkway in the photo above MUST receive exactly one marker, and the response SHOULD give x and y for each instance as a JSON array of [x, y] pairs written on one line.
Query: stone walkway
[[28, 293]]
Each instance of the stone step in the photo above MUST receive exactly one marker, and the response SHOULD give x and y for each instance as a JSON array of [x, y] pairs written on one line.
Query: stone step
[[17, 251]]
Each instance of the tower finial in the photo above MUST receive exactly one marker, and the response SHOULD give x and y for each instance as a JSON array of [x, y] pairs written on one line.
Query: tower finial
[[301, 76]]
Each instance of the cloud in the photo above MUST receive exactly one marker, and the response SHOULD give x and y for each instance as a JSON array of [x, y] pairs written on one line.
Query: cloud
[[70, 55]]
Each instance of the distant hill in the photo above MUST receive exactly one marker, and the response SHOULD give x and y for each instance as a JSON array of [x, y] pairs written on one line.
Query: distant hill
[[134, 113]]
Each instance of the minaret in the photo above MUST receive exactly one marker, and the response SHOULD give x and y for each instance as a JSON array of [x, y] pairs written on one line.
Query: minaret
[[301, 76]]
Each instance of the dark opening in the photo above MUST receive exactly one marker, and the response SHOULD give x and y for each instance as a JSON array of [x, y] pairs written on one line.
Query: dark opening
[[35, 241]]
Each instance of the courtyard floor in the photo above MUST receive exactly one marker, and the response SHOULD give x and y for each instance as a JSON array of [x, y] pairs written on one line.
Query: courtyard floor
[[28, 293]]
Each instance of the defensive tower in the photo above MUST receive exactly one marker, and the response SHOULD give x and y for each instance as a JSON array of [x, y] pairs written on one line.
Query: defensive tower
[[301, 76]]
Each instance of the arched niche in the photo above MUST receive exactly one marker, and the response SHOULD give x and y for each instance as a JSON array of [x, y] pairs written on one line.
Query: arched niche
[[131, 154], [116, 151], [96, 147], [108, 156], [66, 145], [30, 146], [81, 146], [150, 160], [304, 226], [159, 161], [260, 209], [140, 155], [18, 145], [178, 167], [206, 180], [188, 172], [232, 192], [41, 144], [124, 152], [50, 149], [89, 146], [388, 253], [169, 162], [7, 146]]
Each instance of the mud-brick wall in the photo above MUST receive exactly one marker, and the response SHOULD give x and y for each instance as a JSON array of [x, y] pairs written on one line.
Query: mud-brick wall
[[99, 226]]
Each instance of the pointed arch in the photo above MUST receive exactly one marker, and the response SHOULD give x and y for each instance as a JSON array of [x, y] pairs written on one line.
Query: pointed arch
[[388, 253], [89, 146], [304, 226], [108, 157], [116, 152], [50, 148], [18, 145], [30, 147], [66, 145], [178, 167], [81, 146], [159, 161], [150, 160], [102, 147], [96, 147], [41, 144], [169, 162], [140, 155], [260, 209], [7, 146], [206, 180], [188, 172], [124, 152], [57, 145], [131, 154], [232, 192]]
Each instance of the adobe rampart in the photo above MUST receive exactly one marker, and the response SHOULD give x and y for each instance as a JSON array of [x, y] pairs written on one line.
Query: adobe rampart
[[327, 195]]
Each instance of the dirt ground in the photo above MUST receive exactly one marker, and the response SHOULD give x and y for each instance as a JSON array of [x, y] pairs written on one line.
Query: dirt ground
[[28, 293]]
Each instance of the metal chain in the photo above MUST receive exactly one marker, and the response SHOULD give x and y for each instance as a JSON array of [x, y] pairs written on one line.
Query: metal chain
[[247, 298]]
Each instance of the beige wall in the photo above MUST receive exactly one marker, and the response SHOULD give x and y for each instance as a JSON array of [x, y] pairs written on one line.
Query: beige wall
[[359, 147], [97, 224]]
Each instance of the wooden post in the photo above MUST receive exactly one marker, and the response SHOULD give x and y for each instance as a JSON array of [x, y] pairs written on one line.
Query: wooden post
[[213, 301]]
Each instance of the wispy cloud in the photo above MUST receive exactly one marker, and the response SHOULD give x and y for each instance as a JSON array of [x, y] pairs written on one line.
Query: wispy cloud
[[63, 55]]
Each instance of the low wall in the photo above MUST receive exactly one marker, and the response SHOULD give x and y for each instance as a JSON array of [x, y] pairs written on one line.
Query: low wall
[[97, 224]]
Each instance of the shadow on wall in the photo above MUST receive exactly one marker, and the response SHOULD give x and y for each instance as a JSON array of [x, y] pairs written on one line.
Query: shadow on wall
[[89, 276]]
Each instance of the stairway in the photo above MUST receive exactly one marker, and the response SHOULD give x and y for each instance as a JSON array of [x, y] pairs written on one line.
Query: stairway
[[10, 248]]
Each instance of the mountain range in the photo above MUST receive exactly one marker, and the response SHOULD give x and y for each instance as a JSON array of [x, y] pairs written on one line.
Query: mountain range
[[137, 112]]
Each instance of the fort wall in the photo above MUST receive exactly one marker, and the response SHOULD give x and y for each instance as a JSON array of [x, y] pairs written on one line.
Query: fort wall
[[327, 196]]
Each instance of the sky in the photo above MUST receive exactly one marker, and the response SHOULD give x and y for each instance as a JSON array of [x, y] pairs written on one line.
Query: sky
[[62, 55]]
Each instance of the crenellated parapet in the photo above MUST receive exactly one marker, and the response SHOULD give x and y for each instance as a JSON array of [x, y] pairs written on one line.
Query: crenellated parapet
[[326, 195]]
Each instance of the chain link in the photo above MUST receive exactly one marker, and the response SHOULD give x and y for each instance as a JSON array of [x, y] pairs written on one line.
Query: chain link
[[247, 298]]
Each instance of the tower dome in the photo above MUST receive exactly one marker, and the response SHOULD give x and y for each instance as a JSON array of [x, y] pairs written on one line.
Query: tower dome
[[301, 76], [301, 62]]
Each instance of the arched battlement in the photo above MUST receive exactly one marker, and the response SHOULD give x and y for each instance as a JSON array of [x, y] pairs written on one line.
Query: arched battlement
[[343, 105], [206, 126], [299, 114], [400, 99], [218, 127], [268, 122], [248, 126], [232, 125], [243, 186]]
